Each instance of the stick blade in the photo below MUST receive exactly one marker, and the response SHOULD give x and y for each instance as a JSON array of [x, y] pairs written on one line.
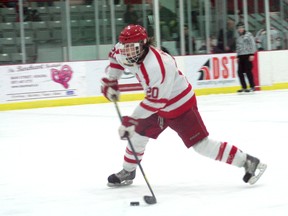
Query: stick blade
[[150, 200]]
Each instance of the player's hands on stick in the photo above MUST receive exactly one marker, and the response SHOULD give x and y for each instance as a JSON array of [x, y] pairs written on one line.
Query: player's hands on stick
[[127, 129], [110, 89]]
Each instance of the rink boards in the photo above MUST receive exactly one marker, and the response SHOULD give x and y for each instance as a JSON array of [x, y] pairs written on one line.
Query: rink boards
[[73, 83]]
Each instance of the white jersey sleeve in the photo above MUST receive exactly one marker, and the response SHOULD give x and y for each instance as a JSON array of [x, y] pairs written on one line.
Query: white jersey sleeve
[[114, 70]]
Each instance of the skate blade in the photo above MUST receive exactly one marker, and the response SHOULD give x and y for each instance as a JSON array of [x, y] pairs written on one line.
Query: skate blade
[[261, 169], [122, 184]]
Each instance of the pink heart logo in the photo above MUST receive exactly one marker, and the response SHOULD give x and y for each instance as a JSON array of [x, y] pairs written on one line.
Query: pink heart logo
[[62, 76]]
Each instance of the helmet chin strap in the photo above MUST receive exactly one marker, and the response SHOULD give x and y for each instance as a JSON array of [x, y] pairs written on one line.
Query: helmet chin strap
[[133, 53], [144, 53]]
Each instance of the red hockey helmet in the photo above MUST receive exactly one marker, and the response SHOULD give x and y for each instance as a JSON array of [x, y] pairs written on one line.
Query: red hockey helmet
[[133, 34], [132, 40]]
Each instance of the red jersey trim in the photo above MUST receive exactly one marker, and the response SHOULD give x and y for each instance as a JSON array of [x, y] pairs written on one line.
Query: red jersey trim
[[149, 108], [162, 100], [181, 95], [116, 66], [161, 64], [145, 74], [180, 110], [176, 112]]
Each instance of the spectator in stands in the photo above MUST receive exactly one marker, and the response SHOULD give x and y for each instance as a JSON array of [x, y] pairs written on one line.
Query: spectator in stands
[[187, 41], [88, 2], [8, 4], [168, 23], [29, 14], [194, 18], [194, 14], [150, 18], [130, 16], [261, 38], [43, 3], [230, 38], [3, 5], [213, 46]]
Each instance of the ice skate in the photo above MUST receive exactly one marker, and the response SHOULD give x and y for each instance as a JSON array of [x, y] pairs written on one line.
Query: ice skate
[[253, 169], [122, 178], [241, 90], [250, 90]]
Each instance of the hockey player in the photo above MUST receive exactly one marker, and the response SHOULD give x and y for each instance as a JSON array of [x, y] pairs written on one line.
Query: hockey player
[[170, 102]]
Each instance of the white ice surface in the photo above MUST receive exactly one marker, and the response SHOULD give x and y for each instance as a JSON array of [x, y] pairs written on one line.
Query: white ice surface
[[55, 162]]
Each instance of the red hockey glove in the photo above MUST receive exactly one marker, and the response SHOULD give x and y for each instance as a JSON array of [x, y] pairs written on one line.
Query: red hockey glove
[[110, 89], [127, 129]]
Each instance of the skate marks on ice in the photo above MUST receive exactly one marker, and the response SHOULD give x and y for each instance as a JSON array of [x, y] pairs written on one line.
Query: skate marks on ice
[[59, 164]]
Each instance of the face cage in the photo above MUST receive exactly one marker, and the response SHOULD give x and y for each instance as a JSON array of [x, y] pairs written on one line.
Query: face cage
[[131, 52]]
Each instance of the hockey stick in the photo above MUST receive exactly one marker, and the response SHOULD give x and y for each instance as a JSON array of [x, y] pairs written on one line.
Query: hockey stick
[[147, 199]]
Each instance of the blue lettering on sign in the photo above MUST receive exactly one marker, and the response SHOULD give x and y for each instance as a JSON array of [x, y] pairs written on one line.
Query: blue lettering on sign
[[70, 92]]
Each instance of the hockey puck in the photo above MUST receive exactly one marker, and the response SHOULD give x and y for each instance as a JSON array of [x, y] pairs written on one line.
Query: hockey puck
[[134, 203]]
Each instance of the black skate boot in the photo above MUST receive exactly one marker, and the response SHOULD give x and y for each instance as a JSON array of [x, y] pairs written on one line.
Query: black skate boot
[[241, 90], [253, 169], [250, 90], [121, 178]]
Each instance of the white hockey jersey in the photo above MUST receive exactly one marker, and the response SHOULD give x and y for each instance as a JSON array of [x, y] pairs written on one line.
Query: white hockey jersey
[[168, 93]]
